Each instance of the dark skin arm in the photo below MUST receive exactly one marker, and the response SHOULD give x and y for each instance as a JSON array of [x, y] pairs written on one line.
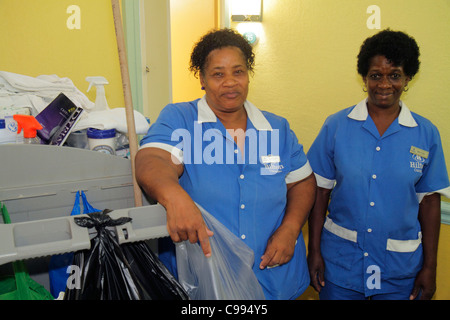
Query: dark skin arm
[[281, 245], [315, 223], [157, 172], [430, 222]]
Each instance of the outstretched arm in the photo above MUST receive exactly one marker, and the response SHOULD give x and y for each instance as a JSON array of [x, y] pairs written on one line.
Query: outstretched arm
[[157, 173]]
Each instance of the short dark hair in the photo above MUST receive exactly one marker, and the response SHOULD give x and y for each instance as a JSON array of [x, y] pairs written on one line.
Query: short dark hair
[[396, 46], [217, 39]]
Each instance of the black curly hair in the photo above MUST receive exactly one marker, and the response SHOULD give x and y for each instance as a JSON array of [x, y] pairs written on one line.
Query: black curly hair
[[217, 39], [396, 46]]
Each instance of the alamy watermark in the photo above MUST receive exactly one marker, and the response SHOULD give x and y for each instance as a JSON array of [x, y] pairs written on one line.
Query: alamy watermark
[[374, 280], [74, 279], [207, 147]]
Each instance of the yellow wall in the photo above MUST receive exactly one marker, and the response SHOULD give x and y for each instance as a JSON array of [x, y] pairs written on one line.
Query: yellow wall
[[443, 279], [35, 40], [190, 19], [157, 57]]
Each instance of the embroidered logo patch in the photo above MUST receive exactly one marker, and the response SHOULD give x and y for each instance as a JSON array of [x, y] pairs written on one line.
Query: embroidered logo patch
[[417, 163]]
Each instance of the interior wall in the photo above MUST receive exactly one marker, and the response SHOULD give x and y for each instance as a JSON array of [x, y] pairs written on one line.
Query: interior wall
[[190, 19], [49, 37], [157, 56]]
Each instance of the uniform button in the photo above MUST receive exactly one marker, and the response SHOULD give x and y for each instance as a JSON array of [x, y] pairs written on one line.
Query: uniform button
[[243, 236], [242, 176], [366, 254], [236, 151], [242, 206], [372, 204], [369, 230], [378, 148], [374, 176]]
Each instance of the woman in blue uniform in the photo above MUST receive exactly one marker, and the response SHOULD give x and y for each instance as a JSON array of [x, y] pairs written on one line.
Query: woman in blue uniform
[[380, 171], [242, 165]]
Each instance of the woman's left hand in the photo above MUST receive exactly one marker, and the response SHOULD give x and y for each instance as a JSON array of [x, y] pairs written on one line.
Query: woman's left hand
[[281, 245], [425, 283], [280, 248]]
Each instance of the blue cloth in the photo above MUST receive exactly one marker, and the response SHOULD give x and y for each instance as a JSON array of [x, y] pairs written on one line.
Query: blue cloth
[[371, 241], [245, 191]]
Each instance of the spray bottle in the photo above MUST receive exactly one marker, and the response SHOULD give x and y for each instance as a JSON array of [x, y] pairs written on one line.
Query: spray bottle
[[30, 126], [100, 100]]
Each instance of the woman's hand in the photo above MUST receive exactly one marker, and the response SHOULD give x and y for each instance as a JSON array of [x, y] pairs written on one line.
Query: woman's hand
[[280, 248], [185, 222], [425, 283], [157, 172], [281, 245], [316, 220], [316, 268]]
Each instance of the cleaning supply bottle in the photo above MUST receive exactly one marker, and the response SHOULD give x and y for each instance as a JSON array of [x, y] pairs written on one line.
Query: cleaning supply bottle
[[30, 125], [8, 131], [4, 133], [100, 100]]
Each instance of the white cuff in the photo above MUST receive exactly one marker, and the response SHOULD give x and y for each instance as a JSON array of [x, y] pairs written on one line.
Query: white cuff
[[175, 152], [299, 174], [445, 192], [324, 182]]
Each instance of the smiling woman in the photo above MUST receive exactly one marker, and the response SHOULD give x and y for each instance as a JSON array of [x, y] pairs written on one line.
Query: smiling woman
[[385, 83], [386, 71], [394, 160]]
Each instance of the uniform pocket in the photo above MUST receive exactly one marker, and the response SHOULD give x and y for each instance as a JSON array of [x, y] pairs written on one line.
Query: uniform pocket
[[404, 257], [338, 245]]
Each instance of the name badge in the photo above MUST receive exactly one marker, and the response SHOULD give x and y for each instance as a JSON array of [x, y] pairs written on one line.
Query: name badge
[[419, 152], [270, 159]]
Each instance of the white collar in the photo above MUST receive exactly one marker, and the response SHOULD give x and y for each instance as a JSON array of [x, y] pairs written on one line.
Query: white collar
[[405, 117], [205, 114]]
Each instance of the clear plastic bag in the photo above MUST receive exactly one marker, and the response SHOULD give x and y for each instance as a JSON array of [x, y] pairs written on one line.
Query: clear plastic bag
[[226, 275]]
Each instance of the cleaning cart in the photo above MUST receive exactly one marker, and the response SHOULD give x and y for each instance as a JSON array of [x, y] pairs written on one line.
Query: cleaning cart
[[39, 187]]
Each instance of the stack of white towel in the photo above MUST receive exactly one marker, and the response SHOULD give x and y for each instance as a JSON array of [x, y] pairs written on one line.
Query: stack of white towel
[[20, 91]]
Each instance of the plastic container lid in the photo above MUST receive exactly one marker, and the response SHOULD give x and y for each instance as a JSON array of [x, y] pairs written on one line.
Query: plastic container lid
[[2, 124], [101, 134]]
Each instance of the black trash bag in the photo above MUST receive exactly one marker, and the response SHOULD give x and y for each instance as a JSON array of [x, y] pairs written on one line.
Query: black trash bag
[[152, 273], [105, 270]]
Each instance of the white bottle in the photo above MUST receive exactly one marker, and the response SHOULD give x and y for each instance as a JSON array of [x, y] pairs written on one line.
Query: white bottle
[[8, 131], [100, 99]]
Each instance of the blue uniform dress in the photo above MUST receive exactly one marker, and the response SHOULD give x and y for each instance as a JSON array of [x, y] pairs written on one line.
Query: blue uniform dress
[[371, 240], [245, 190]]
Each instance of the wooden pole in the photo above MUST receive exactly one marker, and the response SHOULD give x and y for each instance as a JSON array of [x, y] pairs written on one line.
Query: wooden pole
[[132, 137]]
